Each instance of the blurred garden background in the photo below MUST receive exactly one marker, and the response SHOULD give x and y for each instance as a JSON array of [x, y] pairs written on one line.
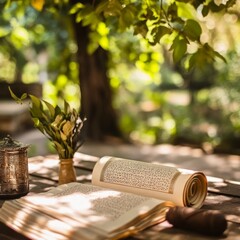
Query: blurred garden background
[[140, 71]]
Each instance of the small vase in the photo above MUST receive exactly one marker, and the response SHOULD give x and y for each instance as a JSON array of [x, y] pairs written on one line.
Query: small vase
[[67, 171]]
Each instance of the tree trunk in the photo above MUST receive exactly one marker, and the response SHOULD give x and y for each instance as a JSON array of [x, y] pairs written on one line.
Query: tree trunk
[[96, 93]]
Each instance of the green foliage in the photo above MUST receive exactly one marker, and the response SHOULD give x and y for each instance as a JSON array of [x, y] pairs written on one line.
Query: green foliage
[[170, 23], [155, 21], [193, 30], [61, 126], [179, 48], [35, 44], [139, 36]]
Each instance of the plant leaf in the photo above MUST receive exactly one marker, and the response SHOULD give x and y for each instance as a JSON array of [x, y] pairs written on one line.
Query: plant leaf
[[50, 108], [193, 30], [179, 48], [17, 99], [67, 128]]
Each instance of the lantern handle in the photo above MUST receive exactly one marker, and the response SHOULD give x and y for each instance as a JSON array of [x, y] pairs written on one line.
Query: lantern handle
[[8, 140]]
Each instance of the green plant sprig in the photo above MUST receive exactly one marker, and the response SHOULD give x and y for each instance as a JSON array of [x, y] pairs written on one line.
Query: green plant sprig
[[61, 126]]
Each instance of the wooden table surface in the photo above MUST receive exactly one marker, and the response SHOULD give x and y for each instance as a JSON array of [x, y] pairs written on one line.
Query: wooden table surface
[[223, 186]]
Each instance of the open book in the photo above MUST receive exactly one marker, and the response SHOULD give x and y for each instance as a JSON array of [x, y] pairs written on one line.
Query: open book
[[125, 197]]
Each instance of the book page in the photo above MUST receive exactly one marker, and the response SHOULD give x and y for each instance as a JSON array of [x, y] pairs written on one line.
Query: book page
[[184, 188], [84, 211]]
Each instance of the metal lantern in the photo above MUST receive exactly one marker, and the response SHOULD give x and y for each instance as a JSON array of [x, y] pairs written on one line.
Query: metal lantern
[[14, 179]]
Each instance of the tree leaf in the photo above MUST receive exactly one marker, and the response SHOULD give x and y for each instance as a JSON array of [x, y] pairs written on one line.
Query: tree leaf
[[114, 8], [193, 61], [141, 28], [84, 13], [76, 8], [205, 11], [179, 48], [37, 4], [217, 54], [101, 6], [127, 16], [159, 32], [193, 30]]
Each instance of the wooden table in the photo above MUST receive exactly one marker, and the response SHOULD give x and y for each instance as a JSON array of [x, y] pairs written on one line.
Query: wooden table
[[223, 195]]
